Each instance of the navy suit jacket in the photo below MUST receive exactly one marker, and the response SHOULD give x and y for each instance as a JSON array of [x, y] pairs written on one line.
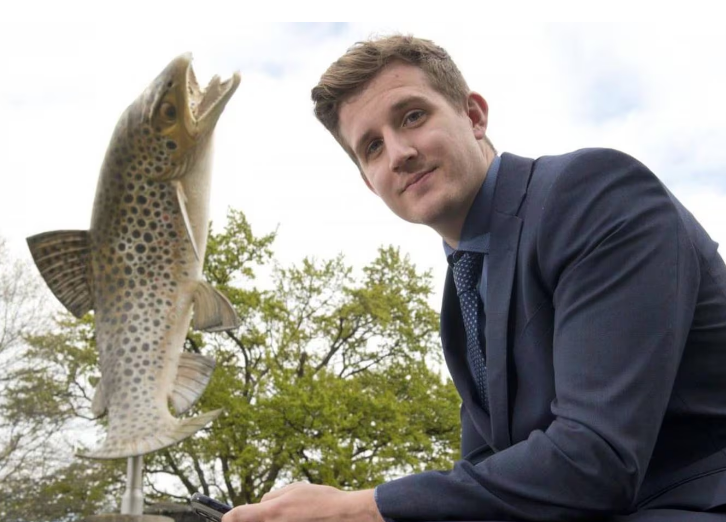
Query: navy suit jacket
[[606, 354]]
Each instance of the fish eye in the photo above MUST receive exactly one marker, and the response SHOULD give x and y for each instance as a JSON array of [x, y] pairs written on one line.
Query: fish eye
[[168, 112]]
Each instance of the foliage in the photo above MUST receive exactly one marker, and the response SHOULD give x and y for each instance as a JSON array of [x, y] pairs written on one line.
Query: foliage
[[332, 378], [70, 493], [39, 391], [24, 435]]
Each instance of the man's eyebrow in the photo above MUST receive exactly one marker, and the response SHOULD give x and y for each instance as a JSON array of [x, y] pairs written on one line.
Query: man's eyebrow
[[395, 108], [408, 100]]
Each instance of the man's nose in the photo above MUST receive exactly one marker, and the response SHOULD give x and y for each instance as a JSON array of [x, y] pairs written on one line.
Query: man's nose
[[401, 152]]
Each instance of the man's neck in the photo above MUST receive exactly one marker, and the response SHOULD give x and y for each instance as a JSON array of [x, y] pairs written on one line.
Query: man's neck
[[450, 231], [452, 236]]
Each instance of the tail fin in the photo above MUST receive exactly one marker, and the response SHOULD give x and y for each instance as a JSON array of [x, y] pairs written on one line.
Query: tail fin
[[171, 433]]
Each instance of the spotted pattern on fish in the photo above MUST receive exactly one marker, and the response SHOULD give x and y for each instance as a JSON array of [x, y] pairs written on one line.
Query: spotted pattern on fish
[[144, 257], [139, 267]]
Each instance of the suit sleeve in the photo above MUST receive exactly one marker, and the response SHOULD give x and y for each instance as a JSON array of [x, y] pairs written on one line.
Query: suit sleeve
[[624, 279]]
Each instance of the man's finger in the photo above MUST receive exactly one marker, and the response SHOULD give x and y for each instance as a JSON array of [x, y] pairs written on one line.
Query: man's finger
[[270, 495], [246, 513]]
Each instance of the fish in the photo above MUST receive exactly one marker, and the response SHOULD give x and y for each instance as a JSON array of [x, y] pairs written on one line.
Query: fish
[[139, 265]]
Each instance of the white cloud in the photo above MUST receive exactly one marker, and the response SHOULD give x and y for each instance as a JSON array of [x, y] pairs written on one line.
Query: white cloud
[[653, 90]]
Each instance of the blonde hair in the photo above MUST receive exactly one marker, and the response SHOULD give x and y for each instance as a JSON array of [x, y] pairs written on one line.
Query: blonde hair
[[364, 60]]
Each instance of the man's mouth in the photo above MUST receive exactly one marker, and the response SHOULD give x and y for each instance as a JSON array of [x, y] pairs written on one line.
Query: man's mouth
[[417, 178]]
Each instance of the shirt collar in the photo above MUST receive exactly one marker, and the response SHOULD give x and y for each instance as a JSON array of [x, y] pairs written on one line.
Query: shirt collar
[[475, 232]]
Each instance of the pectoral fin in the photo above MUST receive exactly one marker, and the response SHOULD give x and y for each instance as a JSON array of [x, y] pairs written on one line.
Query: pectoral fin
[[182, 199], [212, 311], [63, 258], [192, 377]]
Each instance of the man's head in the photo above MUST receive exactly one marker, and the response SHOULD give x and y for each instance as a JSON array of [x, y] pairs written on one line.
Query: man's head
[[352, 71], [401, 109]]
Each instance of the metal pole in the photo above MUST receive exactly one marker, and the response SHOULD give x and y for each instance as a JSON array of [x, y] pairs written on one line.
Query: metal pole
[[132, 502]]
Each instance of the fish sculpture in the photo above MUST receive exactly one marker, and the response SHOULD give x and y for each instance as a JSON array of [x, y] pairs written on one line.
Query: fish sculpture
[[139, 266]]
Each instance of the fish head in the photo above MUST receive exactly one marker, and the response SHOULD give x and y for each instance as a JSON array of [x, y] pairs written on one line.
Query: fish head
[[174, 116]]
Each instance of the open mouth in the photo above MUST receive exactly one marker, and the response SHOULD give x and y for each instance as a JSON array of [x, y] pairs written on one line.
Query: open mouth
[[205, 105], [202, 102]]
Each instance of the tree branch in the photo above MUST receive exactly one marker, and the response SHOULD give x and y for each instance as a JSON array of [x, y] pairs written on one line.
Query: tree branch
[[191, 488], [200, 473], [231, 493], [246, 356]]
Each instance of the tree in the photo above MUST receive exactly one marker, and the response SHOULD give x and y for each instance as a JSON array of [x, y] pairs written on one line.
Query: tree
[[21, 311], [333, 377], [39, 479], [47, 398]]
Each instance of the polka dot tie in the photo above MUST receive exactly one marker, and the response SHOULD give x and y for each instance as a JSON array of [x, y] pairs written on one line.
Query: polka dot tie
[[467, 266]]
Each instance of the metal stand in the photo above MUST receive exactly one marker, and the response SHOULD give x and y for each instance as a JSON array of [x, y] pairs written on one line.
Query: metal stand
[[132, 502]]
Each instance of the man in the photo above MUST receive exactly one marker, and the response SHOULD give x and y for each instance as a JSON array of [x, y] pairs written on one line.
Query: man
[[583, 320]]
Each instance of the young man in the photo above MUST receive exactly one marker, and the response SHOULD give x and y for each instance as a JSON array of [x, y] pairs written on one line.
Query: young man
[[583, 320]]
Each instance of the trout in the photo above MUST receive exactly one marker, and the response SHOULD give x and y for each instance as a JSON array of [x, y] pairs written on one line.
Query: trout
[[139, 266]]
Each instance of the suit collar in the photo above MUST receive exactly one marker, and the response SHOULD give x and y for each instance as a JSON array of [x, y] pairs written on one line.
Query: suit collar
[[506, 226], [515, 172]]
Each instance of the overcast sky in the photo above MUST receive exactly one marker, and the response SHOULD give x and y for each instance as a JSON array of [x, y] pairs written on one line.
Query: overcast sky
[[653, 87]]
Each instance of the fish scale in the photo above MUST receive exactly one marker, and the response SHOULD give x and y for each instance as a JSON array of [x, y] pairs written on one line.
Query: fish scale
[[134, 303], [139, 266]]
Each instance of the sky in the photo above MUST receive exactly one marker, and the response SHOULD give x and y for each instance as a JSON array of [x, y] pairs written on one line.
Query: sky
[[643, 78]]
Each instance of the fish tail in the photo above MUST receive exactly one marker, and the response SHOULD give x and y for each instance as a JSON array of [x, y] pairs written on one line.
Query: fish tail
[[167, 435]]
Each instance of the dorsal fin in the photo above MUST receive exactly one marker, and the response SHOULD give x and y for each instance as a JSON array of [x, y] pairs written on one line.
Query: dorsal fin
[[63, 259]]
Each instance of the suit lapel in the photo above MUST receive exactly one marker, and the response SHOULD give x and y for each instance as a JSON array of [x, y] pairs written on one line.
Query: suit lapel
[[506, 227]]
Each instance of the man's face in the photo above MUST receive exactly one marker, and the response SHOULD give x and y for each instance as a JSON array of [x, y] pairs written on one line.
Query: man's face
[[422, 156]]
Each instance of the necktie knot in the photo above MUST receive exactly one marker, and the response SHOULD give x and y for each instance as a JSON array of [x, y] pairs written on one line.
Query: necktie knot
[[466, 268]]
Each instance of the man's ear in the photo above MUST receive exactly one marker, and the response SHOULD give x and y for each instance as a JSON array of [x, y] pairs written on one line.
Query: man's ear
[[478, 112]]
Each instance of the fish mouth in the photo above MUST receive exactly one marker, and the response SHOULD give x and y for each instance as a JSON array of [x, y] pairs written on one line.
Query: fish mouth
[[204, 106]]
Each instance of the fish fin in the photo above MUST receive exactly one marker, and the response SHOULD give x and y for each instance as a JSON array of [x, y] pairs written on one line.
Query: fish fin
[[99, 404], [63, 259], [166, 435], [182, 199], [212, 310], [192, 377]]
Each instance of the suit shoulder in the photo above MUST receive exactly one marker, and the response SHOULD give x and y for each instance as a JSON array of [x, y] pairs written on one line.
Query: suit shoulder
[[587, 170], [587, 160], [585, 199]]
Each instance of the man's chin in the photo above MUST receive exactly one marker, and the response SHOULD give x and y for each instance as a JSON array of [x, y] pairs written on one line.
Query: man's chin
[[429, 218]]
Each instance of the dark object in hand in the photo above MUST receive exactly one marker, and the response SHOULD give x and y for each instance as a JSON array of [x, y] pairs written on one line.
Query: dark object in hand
[[208, 508]]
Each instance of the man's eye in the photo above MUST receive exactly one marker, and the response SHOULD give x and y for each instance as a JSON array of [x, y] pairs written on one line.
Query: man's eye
[[413, 117], [373, 147]]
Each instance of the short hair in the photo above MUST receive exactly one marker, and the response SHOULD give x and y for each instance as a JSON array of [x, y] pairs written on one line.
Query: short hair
[[364, 60]]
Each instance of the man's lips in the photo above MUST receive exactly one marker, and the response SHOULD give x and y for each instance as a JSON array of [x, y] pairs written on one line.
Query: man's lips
[[416, 178]]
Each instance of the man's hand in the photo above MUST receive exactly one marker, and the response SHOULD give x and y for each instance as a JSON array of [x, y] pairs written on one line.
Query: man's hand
[[303, 502]]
